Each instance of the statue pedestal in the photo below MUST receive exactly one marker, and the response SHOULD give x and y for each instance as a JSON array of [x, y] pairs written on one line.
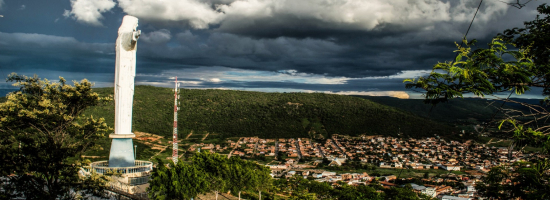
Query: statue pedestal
[[122, 150], [112, 136]]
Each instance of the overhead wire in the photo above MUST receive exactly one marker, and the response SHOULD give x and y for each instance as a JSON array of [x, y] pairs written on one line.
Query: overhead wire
[[466, 34], [464, 38], [517, 5]]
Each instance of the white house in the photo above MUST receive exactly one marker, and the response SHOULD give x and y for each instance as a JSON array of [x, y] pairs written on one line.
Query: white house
[[450, 167], [335, 162], [470, 188], [447, 197], [429, 191], [398, 165], [327, 173]]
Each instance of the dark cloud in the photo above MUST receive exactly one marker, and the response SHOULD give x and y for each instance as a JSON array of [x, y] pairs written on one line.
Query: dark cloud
[[289, 39]]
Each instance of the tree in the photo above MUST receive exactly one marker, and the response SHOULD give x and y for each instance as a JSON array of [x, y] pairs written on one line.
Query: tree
[[486, 71], [405, 193], [481, 72], [304, 196], [181, 181], [217, 168], [42, 134], [535, 37], [241, 175], [426, 175], [207, 172]]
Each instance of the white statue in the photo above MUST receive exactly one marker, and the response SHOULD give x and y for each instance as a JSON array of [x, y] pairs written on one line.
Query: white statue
[[125, 72], [122, 152]]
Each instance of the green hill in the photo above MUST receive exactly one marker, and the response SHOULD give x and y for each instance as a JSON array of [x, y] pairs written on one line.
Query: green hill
[[463, 113], [227, 113], [454, 111]]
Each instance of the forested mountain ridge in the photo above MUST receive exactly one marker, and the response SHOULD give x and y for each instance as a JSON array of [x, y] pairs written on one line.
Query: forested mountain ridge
[[231, 113], [464, 113]]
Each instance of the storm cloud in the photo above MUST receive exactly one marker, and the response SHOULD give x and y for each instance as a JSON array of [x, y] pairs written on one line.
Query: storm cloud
[[341, 47]]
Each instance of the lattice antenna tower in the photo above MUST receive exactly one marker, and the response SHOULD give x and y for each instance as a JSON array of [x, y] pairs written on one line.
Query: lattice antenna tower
[[175, 136]]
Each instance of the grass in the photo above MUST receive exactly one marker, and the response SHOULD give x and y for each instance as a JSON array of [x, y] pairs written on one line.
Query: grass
[[405, 173]]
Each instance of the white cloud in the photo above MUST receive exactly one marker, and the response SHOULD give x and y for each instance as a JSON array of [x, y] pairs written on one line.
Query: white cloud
[[355, 14], [465, 10], [89, 11], [198, 14], [214, 80], [1, 3], [349, 14], [342, 14], [22, 7], [403, 74], [189, 83], [161, 36]]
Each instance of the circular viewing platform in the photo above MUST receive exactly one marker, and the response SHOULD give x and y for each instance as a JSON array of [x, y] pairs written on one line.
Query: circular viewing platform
[[140, 166]]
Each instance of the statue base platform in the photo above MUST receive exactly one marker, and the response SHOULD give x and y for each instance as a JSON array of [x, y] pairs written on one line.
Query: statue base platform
[[122, 135]]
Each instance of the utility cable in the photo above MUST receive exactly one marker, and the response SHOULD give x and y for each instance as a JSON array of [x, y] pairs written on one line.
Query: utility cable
[[464, 38], [471, 22], [466, 34]]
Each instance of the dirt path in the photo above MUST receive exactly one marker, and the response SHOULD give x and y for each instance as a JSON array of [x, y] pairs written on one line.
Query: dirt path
[[190, 133], [205, 136], [212, 195], [161, 150], [236, 145], [500, 140]]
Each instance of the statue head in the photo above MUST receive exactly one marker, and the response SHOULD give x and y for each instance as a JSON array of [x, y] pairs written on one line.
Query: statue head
[[128, 32], [129, 24]]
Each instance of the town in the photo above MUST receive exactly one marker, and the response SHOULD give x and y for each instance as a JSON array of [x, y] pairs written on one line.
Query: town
[[466, 162]]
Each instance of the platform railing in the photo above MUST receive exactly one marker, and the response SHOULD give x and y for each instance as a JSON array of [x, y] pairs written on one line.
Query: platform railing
[[102, 167]]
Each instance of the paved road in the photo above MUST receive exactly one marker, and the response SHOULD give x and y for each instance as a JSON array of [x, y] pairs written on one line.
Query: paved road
[[276, 148], [212, 195], [335, 144], [120, 192], [255, 147], [298, 149], [320, 150], [231, 152]]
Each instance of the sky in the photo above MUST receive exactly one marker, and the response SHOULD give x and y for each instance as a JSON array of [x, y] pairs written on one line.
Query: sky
[[358, 47]]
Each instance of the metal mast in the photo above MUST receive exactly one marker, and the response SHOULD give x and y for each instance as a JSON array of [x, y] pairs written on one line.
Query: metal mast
[[175, 137]]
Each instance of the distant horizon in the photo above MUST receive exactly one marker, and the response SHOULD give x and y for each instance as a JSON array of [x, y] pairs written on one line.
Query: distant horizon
[[5, 91]]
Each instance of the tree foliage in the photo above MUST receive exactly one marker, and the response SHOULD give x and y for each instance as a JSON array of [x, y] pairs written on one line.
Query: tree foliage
[[210, 172], [207, 172], [521, 180], [226, 113], [486, 71], [299, 188], [181, 181], [483, 71], [42, 134], [535, 37]]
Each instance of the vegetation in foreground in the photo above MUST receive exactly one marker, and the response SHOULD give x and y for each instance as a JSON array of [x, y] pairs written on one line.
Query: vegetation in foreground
[[210, 172], [486, 71], [42, 132]]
